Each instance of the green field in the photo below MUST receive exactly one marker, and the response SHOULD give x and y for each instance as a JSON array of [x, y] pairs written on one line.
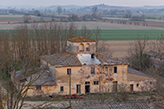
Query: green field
[[125, 34], [130, 34]]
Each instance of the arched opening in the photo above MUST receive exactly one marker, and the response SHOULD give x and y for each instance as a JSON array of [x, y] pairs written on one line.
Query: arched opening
[[87, 47], [81, 47]]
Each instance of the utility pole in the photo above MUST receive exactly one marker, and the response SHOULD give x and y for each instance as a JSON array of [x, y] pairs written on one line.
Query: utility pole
[[100, 78], [70, 88]]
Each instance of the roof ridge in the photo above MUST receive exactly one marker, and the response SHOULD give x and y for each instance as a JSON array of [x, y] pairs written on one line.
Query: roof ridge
[[80, 39]]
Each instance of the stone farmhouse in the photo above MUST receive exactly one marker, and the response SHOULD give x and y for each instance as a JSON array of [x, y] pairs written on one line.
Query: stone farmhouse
[[90, 72]]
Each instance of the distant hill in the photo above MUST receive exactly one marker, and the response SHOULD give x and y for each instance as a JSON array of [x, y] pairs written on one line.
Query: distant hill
[[103, 7], [64, 6], [84, 8], [107, 7]]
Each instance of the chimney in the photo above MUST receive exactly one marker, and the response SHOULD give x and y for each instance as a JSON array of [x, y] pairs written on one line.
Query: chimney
[[92, 56], [73, 36]]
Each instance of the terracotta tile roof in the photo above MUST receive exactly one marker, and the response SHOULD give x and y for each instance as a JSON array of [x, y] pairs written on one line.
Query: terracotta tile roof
[[62, 59], [80, 39], [108, 60]]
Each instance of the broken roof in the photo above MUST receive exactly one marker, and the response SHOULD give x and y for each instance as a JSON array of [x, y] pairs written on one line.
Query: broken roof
[[86, 59], [108, 60], [80, 39]]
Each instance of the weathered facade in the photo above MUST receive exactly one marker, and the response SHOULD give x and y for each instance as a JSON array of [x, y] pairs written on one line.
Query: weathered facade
[[90, 72]]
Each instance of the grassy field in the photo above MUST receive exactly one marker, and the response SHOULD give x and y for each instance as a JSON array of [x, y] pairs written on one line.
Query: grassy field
[[125, 34], [130, 34]]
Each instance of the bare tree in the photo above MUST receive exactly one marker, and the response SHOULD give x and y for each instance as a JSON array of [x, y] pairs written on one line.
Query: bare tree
[[85, 32], [94, 11], [105, 12], [59, 10], [64, 11], [14, 87], [136, 54], [26, 18]]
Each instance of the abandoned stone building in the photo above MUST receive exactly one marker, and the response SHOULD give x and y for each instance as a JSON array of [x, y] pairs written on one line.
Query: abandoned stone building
[[155, 58], [90, 72]]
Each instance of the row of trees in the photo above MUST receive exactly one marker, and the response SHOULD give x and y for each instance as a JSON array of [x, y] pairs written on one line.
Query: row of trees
[[38, 38]]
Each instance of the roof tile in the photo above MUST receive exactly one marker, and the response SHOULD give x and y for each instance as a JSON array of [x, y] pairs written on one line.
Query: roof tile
[[80, 39], [63, 59]]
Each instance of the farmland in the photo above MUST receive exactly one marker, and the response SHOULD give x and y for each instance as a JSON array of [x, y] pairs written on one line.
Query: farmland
[[120, 48], [125, 34], [17, 18], [130, 34], [92, 25], [117, 36]]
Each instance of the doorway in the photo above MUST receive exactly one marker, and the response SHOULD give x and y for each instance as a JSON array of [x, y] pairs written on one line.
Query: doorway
[[114, 86], [131, 87], [78, 89], [87, 89]]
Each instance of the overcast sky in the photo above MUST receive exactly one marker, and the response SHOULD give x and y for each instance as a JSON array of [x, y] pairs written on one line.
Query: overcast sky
[[82, 2]]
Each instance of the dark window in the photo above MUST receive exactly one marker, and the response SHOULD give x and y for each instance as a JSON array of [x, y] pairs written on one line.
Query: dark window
[[38, 87], [61, 88], [92, 70], [87, 49], [137, 85], [131, 87], [96, 82], [150, 82], [115, 69], [87, 82], [68, 71], [92, 56]]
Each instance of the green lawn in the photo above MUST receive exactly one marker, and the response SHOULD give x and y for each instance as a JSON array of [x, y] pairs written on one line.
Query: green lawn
[[125, 34]]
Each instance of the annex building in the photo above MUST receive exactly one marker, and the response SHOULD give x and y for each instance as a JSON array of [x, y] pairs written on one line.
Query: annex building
[[90, 72]]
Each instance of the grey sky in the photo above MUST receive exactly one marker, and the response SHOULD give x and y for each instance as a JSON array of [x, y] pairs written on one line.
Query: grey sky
[[82, 2]]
